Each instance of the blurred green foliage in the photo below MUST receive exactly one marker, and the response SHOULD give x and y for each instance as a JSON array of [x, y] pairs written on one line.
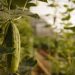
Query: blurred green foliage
[[60, 52]]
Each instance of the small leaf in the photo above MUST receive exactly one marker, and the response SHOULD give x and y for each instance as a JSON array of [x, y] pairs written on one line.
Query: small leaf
[[47, 25], [65, 5], [47, 14], [71, 28], [70, 9], [73, 1], [66, 17], [43, 0], [52, 5], [55, 19], [35, 16], [30, 5]]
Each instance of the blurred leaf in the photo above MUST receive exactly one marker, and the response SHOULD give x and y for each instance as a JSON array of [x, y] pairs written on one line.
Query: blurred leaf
[[71, 28], [30, 5], [52, 5], [66, 17], [54, 19], [47, 14], [47, 25], [3, 2], [70, 9], [65, 5], [35, 16], [43, 0], [73, 1]]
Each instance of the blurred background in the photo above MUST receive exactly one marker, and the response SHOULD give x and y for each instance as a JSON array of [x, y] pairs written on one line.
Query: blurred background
[[47, 30]]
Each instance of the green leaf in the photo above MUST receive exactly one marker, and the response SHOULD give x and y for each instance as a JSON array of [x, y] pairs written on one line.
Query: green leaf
[[70, 9], [52, 5], [43, 0], [30, 5], [65, 5], [71, 28], [35, 16], [47, 25], [66, 17], [73, 1]]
